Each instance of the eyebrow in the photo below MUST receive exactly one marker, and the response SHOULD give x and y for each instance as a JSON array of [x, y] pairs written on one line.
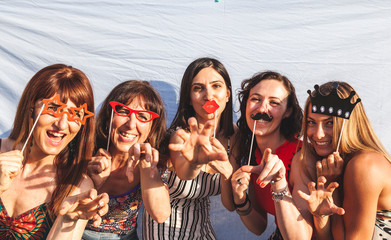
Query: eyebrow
[[272, 97]]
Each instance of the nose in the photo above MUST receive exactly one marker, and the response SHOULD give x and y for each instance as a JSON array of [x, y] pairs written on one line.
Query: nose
[[209, 93], [62, 121], [319, 134], [132, 121], [262, 107]]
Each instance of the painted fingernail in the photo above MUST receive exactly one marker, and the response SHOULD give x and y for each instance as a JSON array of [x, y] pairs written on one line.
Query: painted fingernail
[[258, 181], [263, 185]]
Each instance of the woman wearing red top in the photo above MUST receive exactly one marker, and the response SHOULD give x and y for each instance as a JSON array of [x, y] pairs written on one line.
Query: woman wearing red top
[[271, 96]]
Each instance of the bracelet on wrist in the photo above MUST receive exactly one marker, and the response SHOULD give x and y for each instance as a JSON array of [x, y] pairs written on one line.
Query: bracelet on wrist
[[242, 204], [244, 212], [278, 196]]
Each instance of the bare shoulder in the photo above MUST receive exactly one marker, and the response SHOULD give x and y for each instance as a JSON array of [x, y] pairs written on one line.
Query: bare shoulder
[[368, 168], [86, 184], [368, 162]]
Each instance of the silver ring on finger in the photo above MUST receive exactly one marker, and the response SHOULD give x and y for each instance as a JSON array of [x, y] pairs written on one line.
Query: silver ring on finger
[[239, 182]]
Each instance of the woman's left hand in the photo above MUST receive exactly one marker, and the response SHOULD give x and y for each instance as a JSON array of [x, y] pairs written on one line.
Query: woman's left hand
[[144, 154], [331, 167], [85, 206], [270, 168]]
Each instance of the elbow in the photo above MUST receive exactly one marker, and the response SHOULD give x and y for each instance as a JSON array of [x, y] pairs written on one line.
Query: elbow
[[161, 217]]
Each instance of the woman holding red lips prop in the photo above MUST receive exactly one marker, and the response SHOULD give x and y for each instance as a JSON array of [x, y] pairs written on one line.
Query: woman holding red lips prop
[[202, 138]]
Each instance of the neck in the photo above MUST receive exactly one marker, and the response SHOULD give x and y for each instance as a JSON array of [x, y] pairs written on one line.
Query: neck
[[119, 160], [270, 141]]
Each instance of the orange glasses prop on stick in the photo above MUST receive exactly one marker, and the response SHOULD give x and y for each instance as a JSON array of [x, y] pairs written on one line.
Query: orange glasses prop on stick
[[333, 105], [55, 107], [211, 107], [124, 111]]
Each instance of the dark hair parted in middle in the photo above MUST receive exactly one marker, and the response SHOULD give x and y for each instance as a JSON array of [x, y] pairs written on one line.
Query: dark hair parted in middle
[[185, 110], [290, 126]]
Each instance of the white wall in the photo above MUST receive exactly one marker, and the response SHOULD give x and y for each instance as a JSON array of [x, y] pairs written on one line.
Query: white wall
[[310, 41]]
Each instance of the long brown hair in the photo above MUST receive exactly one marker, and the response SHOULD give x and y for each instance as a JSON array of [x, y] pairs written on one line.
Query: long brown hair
[[125, 93], [71, 162], [358, 133]]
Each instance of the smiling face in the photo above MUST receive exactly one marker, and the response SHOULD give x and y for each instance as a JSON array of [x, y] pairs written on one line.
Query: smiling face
[[52, 134], [127, 131], [208, 85], [320, 133], [270, 97]]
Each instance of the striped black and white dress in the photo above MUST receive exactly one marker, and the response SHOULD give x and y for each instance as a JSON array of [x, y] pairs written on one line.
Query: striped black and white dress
[[189, 209]]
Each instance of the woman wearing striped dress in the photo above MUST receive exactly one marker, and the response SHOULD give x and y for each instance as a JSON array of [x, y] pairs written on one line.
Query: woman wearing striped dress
[[199, 154]]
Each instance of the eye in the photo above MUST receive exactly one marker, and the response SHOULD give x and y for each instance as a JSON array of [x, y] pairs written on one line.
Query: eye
[[330, 123], [275, 103], [310, 122], [217, 85], [197, 88], [121, 110], [255, 99], [79, 114], [144, 116], [53, 108]]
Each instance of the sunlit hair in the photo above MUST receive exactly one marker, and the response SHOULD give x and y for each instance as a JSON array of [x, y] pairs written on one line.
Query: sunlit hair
[[70, 83], [186, 110], [126, 93], [290, 127], [357, 134]]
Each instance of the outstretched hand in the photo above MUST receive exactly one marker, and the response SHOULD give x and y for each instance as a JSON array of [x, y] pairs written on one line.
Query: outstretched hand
[[85, 206], [320, 201], [270, 168], [196, 146]]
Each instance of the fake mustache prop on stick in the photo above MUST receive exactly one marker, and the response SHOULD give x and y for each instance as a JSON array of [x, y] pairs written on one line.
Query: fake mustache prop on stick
[[264, 116]]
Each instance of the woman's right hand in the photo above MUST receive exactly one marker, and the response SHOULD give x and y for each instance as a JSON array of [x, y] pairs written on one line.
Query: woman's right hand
[[99, 167], [320, 201], [240, 181], [196, 146], [10, 166]]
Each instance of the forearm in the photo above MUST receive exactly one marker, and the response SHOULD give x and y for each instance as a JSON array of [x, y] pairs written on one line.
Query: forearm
[[291, 222], [155, 196], [255, 222], [226, 193], [65, 228], [322, 227]]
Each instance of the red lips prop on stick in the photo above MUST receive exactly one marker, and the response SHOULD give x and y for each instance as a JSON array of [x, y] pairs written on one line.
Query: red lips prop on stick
[[211, 107]]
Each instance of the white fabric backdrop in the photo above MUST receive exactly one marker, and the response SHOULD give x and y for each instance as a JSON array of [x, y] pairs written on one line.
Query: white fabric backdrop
[[310, 41]]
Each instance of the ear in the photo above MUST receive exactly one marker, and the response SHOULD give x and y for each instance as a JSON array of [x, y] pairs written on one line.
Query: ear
[[228, 94], [288, 113]]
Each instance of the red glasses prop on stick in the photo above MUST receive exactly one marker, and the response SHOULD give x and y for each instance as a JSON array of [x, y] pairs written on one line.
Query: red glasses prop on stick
[[124, 111], [55, 107], [256, 117], [333, 105], [211, 107]]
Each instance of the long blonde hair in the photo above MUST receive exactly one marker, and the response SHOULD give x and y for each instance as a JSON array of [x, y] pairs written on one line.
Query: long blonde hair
[[357, 135]]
